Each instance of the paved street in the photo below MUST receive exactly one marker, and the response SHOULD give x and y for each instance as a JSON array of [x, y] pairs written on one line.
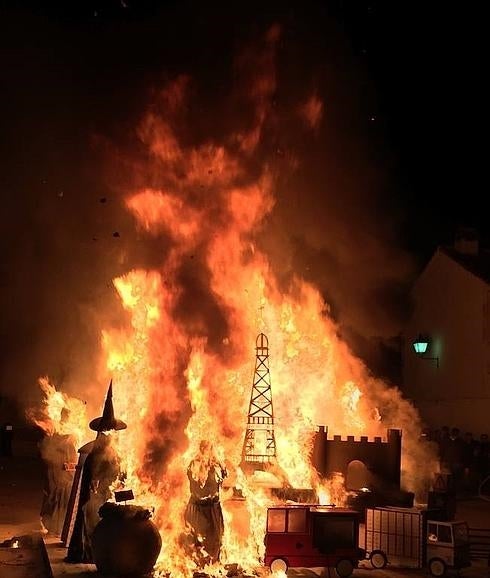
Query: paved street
[[21, 485], [480, 571]]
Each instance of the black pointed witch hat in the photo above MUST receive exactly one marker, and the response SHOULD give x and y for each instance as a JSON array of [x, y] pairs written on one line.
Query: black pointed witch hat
[[108, 421]]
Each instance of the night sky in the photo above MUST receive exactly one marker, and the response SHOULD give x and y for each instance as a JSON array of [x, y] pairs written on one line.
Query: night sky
[[400, 136]]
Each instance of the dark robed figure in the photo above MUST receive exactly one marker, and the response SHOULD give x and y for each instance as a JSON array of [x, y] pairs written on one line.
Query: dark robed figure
[[101, 469], [203, 512]]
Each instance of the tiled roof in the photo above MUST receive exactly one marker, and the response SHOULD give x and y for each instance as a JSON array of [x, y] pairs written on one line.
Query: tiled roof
[[478, 264]]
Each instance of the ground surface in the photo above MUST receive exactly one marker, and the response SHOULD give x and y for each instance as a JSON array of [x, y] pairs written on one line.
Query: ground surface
[[21, 483]]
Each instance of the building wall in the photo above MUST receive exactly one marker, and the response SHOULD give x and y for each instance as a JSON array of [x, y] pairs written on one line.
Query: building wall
[[451, 306]]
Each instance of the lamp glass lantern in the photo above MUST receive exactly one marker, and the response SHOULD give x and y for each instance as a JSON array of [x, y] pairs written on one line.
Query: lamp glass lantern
[[421, 344]]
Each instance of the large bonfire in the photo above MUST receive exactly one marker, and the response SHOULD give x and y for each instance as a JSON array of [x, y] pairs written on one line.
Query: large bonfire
[[182, 366]]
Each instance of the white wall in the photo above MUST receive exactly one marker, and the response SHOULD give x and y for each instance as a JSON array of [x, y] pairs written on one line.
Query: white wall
[[450, 305]]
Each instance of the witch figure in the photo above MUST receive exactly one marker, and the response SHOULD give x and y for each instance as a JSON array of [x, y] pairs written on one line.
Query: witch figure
[[101, 469], [203, 512]]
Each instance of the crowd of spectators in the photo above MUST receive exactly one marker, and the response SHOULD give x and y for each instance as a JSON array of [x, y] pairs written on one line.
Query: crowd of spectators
[[465, 457]]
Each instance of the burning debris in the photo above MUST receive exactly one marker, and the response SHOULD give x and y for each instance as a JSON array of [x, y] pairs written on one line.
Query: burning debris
[[180, 354], [101, 528]]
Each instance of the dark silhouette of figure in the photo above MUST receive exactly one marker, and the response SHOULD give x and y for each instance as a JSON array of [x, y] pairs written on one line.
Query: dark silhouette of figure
[[7, 432], [483, 458], [443, 443], [100, 470], [469, 453], [59, 454], [203, 512], [454, 456], [435, 436]]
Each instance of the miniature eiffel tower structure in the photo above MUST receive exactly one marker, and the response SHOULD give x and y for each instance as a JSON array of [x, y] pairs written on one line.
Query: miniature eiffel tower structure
[[259, 447]]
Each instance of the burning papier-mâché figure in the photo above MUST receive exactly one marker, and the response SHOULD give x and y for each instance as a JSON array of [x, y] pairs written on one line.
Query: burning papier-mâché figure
[[203, 513], [101, 469], [59, 454]]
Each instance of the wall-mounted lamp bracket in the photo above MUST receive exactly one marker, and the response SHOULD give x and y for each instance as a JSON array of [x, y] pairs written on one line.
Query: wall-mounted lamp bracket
[[436, 359]]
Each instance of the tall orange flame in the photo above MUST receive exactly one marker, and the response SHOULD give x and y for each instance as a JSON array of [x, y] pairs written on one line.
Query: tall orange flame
[[61, 414], [182, 367]]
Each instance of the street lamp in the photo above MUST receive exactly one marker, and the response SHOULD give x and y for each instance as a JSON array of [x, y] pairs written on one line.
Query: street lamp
[[421, 345]]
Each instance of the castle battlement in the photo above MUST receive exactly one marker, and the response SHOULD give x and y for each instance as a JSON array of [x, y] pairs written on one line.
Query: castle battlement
[[381, 456], [391, 435]]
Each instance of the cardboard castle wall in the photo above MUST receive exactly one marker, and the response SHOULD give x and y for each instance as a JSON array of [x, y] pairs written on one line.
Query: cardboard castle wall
[[381, 458]]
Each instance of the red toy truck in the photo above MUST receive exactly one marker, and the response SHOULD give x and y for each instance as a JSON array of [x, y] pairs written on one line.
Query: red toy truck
[[309, 536]]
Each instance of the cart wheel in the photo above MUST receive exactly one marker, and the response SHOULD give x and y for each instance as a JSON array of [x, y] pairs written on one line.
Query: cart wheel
[[437, 567], [278, 565], [378, 559], [344, 568]]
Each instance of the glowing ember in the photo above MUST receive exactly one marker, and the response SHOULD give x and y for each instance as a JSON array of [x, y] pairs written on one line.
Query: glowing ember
[[182, 364], [323, 497], [331, 492]]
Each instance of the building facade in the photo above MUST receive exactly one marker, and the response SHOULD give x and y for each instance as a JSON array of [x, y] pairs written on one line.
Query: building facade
[[450, 382]]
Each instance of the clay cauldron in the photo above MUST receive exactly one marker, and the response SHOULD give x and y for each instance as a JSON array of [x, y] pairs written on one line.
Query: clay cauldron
[[125, 542]]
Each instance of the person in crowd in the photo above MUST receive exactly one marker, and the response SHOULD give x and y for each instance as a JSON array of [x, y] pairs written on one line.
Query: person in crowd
[[435, 436], [443, 443], [453, 456], [6, 437], [483, 458], [469, 452]]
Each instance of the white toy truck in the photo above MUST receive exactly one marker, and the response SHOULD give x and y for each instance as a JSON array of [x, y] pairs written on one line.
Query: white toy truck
[[405, 537]]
